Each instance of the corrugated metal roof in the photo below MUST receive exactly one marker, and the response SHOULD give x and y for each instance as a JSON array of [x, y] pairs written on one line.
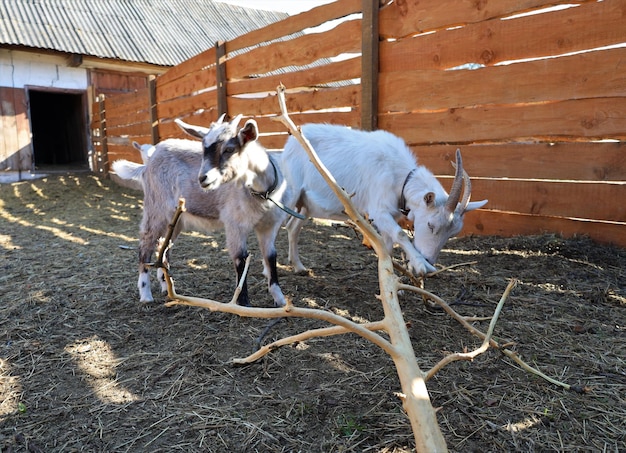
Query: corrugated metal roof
[[163, 32]]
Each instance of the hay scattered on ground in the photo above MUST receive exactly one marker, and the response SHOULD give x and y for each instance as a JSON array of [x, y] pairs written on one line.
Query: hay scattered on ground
[[85, 367]]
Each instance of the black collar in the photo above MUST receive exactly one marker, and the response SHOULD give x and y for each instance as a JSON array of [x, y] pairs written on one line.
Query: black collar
[[402, 203], [266, 195]]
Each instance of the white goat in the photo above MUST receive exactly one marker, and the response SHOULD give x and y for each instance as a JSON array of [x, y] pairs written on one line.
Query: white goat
[[387, 183], [237, 197]]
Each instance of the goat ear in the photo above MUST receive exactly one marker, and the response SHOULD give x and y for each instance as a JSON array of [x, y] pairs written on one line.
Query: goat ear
[[136, 145], [429, 199], [194, 131], [249, 132]]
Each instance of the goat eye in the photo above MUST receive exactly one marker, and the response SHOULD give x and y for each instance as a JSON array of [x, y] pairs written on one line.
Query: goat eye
[[431, 227], [229, 149]]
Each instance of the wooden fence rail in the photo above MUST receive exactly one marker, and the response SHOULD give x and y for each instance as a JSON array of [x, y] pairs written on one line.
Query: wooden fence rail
[[533, 92]]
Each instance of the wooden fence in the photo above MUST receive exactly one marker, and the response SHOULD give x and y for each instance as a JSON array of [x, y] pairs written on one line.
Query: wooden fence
[[532, 92]]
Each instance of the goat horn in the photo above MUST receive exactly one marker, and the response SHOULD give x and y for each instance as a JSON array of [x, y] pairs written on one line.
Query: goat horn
[[467, 191], [235, 121], [220, 120], [457, 185]]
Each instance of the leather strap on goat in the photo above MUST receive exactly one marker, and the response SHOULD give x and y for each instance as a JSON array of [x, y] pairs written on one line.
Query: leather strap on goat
[[402, 203], [268, 195], [291, 212]]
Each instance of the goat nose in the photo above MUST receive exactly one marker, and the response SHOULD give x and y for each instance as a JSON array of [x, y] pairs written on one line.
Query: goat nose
[[202, 178]]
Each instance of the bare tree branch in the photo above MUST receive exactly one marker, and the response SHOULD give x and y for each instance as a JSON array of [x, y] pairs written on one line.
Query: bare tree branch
[[494, 344], [290, 312], [487, 338], [323, 332], [416, 401], [166, 242]]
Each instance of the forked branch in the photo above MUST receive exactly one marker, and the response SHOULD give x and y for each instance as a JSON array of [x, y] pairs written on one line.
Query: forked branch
[[166, 242], [486, 340], [416, 401]]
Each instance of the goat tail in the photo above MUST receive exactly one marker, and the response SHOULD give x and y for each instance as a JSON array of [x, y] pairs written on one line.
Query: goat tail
[[128, 170]]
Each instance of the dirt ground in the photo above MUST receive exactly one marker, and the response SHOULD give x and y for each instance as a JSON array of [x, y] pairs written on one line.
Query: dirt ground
[[85, 367]]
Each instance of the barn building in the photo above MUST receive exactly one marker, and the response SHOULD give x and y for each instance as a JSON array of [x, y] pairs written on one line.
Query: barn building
[[57, 56]]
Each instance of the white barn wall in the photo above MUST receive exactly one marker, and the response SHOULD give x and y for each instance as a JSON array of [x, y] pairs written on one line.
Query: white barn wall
[[19, 72], [21, 69]]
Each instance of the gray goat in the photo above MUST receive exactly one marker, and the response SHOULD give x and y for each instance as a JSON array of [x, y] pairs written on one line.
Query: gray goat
[[229, 182]]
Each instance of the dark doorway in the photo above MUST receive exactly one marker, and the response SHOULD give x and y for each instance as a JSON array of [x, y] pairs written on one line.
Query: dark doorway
[[59, 132]]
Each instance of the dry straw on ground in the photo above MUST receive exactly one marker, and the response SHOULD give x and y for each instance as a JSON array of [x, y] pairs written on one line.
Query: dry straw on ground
[[85, 367]]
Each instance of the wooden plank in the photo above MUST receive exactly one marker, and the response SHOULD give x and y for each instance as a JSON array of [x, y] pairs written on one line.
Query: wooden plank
[[495, 41], [303, 50], [15, 144], [141, 139], [128, 113], [4, 154], [202, 118], [133, 107], [122, 99], [22, 125], [126, 153], [592, 74], [111, 82], [154, 118], [274, 142], [129, 106], [9, 157], [268, 125], [101, 163], [118, 118], [409, 17], [95, 134], [126, 150], [184, 86], [169, 129], [115, 118], [129, 129], [489, 223], [186, 106], [586, 200], [307, 78], [123, 145], [559, 121], [297, 23], [329, 98], [192, 65], [556, 161], [369, 66], [220, 56]]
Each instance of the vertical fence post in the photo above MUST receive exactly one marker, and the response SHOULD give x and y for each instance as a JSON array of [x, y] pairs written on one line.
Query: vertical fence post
[[154, 117], [369, 65], [102, 158], [220, 72]]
